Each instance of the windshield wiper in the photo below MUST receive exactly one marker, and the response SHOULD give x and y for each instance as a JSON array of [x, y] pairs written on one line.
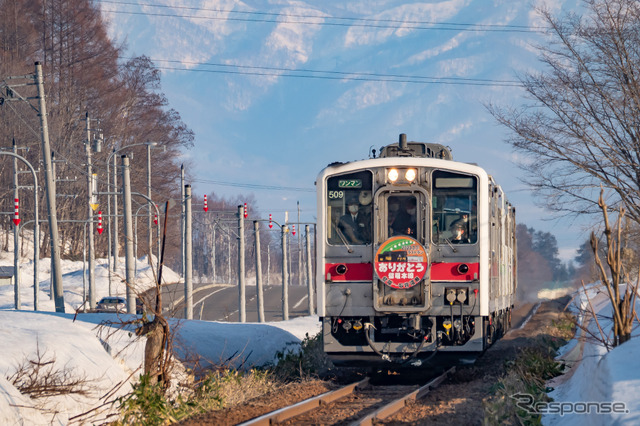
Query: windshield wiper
[[344, 240], [451, 245]]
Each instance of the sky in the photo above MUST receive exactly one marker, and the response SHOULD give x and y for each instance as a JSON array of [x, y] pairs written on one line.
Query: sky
[[276, 90], [110, 358]]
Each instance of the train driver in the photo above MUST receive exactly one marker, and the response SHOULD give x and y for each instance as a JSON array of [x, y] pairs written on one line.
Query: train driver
[[354, 225], [463, 229], [460, 229]]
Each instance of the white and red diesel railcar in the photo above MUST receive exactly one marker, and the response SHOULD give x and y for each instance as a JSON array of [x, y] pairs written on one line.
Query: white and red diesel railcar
[[416, 255]]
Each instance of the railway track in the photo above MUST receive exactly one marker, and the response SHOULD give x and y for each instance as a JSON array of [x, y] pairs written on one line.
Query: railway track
[[359, 403]]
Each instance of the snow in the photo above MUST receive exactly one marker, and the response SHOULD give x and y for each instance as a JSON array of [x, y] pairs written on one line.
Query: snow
[[603, 387], [109, 359], [103, 356]]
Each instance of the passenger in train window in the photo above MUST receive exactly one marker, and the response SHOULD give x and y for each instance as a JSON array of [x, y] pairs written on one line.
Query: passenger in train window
[[353, 224], [365, 212], [402, 219], [409, 227], [473, 223]]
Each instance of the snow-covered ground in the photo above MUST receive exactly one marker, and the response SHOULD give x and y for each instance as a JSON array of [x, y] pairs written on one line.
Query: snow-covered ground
[[107, 359], [601, 388], [94, 350]]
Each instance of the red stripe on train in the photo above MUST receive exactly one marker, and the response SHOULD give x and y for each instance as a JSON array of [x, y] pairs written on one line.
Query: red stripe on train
[[451, 271], [354, 271]]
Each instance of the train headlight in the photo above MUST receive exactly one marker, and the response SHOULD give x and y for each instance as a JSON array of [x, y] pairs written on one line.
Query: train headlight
[[410, 175], [402, 176]]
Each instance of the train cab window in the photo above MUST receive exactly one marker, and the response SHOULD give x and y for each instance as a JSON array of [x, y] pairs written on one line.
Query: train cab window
[[454, 204], [402, 215], [349, 209]]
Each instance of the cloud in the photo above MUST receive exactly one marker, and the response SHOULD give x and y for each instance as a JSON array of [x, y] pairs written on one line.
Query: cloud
[[365, 95], [457, 129], [425, 12], [449, 45], [288, 45], [194, 38]]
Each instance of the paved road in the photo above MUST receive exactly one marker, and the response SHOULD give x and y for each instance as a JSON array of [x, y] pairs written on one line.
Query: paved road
[[219, 302]]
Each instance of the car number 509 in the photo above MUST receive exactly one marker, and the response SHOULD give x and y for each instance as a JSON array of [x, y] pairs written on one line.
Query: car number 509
[[336, 194]]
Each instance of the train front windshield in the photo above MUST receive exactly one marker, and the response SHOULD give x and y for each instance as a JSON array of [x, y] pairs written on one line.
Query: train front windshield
[[349, 209], [454, 199]]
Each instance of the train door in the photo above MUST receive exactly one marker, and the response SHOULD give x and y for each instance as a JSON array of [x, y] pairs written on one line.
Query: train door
[[398, 215]]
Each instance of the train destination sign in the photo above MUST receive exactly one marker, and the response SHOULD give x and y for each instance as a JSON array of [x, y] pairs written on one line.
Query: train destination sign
[[401, 262], [350, 183]]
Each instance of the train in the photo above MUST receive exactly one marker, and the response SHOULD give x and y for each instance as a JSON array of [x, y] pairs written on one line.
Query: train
[[416, 256]]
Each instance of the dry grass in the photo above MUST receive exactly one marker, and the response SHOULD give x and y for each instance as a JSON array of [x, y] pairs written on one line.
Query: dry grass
[[40, 377]]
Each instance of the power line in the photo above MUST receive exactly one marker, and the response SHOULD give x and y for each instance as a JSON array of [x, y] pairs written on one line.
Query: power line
[[255, 186], [342, 74], [355, 78], [333, 75], [281, 18]]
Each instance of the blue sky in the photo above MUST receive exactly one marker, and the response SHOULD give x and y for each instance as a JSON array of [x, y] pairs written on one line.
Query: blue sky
[[254, 125]]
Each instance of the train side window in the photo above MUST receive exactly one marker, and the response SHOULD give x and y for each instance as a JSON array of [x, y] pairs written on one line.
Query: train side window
[[349, 209], [454, 208]]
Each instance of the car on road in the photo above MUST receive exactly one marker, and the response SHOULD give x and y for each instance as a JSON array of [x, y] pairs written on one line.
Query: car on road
[[112, 304]]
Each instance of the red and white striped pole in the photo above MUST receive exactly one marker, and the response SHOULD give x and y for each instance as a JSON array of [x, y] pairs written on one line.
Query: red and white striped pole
[[205, 203], [246, 212], [155, 219], [270, 222], [99, 228], [16, 214], [293, 232]]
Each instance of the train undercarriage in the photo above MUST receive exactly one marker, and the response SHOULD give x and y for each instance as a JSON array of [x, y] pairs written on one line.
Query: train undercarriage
[[410, 339]]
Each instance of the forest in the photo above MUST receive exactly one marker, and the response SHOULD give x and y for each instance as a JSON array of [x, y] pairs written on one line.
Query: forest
[[85, 74]]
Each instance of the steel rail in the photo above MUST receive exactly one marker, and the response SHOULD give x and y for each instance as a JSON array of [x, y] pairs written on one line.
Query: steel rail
[[381, 413], [305, 406], [398, 404]]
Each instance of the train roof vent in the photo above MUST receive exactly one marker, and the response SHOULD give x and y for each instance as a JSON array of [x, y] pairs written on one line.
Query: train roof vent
[[416, 149]]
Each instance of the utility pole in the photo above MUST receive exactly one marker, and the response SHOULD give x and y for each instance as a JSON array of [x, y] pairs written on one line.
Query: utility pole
[[285, 275], [56, 271], [241, 285], [259, 289], [92, 205], [213, 252], [309, 271], [149, 219], [109, 240], [128, 235], [188, 267], [115, 213], [229, 254], [299, 248], [182, 219], [16, 234]]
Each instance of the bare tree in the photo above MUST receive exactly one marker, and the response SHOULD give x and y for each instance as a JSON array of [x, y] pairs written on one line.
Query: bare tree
[[623, 297], [580, 128], [84, 72]]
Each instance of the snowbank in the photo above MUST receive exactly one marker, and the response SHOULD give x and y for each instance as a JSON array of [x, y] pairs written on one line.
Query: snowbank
[[107, 359], [602, 387]]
